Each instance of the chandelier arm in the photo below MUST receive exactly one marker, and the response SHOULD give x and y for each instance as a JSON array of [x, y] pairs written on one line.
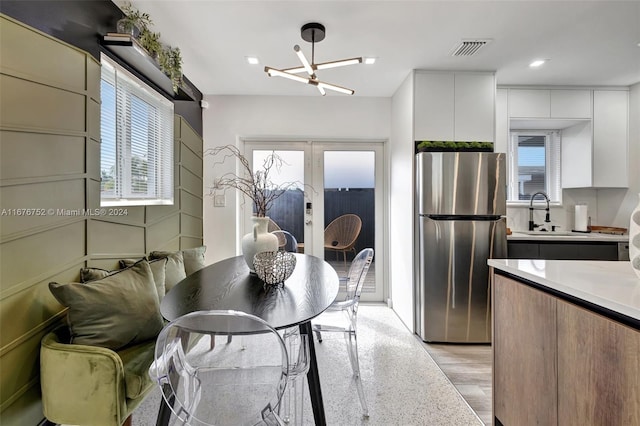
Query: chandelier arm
[[330, 86], [273, 72], [303, 59], [338, 63]]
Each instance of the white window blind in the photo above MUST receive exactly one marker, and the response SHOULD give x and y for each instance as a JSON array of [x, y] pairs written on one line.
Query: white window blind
[[136, 153], [534, 165]]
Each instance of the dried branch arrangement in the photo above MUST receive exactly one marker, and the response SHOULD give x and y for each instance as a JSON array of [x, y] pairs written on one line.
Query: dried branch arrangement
[[255, 185]]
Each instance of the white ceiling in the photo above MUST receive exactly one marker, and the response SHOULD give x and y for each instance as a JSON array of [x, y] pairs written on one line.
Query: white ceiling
[[592, 43]]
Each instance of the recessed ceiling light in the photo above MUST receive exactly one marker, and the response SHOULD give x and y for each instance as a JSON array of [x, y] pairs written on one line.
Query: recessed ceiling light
[[537, 63], [252, 60], [369, 61]]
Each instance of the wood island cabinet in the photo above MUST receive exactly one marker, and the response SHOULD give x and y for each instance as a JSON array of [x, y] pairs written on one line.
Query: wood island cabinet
[[524, 381], [598, 369], [556, 363]]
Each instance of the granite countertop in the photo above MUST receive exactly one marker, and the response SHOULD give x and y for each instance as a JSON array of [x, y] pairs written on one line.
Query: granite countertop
[[566, 236], [611, 285]]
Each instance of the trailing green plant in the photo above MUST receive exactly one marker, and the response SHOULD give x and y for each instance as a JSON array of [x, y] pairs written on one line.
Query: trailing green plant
[[133, 18], [151, 42], [170, 60]]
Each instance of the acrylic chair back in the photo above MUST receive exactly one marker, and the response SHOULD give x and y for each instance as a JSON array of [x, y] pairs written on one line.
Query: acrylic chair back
[[238, 382], [286, 241], [357, 274]]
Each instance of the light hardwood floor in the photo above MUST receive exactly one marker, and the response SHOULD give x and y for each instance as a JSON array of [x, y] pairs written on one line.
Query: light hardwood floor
[[468, 367]]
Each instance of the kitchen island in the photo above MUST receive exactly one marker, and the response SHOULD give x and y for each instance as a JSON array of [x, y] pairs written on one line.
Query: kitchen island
[[566, 342]]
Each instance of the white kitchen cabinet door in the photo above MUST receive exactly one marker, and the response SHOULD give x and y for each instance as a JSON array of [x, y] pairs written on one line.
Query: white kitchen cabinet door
[[571, 104], [433, 106], [530, 103], [474, 104], [610, 138], [502, 121], [577, 156]]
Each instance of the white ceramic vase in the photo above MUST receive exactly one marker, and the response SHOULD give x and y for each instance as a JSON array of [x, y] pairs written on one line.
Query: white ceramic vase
[[258, 240], [634, 239]]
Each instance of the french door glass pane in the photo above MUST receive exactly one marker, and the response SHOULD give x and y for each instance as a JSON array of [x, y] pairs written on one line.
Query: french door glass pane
[[349, 189], [287, 211]]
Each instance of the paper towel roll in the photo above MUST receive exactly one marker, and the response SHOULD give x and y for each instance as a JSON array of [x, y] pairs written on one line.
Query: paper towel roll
[[581, 217]]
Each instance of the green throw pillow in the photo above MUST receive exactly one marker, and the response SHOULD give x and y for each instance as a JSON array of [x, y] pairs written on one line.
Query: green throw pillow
[[92, 274], [114, 312], [193, 258], [174, 271], [157, 269]]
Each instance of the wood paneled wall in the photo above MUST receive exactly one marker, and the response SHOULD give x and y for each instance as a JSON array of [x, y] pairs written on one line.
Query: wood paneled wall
[[50, 168]]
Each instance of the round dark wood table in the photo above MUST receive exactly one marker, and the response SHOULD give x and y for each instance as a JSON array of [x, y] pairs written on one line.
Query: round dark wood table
[[228, 285]]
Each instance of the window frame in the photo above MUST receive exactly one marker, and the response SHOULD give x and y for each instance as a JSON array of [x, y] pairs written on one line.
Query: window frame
[[553, 166], [153, 140]]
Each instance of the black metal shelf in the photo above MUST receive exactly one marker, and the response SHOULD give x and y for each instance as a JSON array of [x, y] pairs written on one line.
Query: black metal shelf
[[133, 54]]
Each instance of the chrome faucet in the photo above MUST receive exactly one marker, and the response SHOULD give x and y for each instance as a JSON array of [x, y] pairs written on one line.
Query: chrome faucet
[[547, 218]]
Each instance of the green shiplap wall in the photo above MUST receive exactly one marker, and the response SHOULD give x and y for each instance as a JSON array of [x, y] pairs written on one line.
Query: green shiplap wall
[[50, 161]]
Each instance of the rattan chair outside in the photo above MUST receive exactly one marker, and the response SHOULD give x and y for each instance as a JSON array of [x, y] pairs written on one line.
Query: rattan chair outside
[[341, 234]]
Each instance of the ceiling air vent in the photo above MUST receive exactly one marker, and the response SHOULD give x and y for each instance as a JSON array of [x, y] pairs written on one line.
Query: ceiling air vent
[[468, 47]]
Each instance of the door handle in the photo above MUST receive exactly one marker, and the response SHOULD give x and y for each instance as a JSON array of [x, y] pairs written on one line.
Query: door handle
[[307, 222]]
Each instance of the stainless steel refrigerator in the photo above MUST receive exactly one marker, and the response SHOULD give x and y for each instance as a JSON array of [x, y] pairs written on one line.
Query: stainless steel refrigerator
[[461, 203]]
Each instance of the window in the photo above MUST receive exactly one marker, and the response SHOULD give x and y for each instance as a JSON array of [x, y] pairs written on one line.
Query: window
[[136, 151], [534, 165]]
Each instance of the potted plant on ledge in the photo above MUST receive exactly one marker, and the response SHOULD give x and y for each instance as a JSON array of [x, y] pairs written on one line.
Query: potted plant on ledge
[[134, 22]]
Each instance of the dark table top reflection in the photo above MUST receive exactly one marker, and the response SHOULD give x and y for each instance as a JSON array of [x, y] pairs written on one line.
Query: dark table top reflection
[[228, 284]]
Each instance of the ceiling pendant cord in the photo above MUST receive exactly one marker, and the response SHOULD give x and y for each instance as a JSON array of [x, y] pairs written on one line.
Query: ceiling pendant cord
[[313, 48]]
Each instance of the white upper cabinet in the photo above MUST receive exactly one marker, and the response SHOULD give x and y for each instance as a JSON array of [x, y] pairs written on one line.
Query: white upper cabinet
[[530, 103], [454, 106], [570, 103], [595, 153], [550, 103], [474, 107], [610, 138], [433, 106]]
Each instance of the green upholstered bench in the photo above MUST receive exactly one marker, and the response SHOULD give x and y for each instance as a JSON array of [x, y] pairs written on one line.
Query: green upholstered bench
[[90, 385], [95, 372]]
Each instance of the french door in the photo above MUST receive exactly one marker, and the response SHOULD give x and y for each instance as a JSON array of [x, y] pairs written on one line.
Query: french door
[[327, 180]]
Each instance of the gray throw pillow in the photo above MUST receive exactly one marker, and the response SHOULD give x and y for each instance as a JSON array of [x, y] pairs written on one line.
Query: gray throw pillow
[[114, 312], [193, 258], [157, 269], [174, 270]]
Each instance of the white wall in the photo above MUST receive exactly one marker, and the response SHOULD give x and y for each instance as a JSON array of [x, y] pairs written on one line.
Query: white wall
[[229, 118], [401, 211]]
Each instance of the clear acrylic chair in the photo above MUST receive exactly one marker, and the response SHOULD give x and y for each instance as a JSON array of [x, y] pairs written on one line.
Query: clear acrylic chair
[[236, 383], [286, 241], [293, 400], [346, 312]]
